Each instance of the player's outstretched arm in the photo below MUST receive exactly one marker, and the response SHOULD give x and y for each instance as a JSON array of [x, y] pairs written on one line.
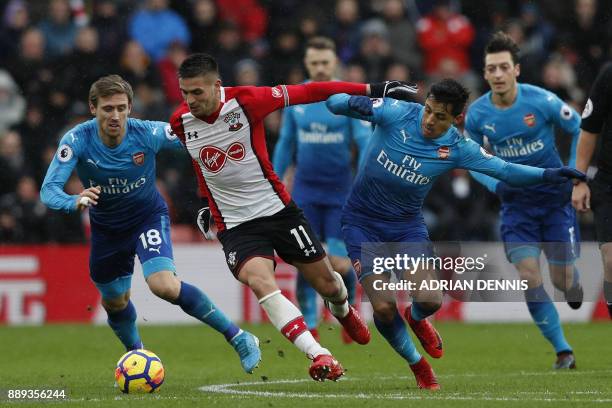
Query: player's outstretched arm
[[488, 182], [473, 157], [359, 107], [502, 189], [521, 175], [320, 91]]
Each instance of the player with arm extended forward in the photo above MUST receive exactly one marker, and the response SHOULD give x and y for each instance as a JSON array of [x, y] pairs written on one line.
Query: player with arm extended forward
[[223, 130], [321, 144], [411, 146], [597, 195], [114, 157], [518, 121]]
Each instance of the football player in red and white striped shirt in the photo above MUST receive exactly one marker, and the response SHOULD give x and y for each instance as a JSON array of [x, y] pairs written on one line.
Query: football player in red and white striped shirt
[[222, 128]]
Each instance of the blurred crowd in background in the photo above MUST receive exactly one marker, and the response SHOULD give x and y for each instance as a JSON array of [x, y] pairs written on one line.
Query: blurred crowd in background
[[52, 50]]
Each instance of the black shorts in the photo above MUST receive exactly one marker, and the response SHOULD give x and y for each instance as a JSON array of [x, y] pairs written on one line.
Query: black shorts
[[287, 232], [601, 204]]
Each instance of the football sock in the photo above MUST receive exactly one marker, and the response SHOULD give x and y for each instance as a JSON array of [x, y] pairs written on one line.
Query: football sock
[[123, 324], [338, 305], [397, 336], [608, 295], [418, 312], [350, 281], [545, 316], [195, 303], [307, 299], [289, 321]]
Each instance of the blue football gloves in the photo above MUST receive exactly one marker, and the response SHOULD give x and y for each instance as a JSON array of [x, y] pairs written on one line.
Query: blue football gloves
[[361, 105], [562, 174]]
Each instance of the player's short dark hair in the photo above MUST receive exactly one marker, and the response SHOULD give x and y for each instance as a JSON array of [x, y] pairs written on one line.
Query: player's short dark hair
[[501, 42], [198, 64], [449, 91], [108, 86], [321, 43]]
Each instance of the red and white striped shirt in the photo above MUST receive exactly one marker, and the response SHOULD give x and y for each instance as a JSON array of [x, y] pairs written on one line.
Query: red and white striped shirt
[[229, 153]]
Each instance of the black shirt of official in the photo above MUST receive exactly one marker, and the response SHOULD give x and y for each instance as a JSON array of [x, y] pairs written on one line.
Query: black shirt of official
[[597, 117]]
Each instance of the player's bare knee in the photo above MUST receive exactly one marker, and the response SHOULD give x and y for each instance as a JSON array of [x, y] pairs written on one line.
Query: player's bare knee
[[165, 291], [530, 274], [384, 311], [165, 285]]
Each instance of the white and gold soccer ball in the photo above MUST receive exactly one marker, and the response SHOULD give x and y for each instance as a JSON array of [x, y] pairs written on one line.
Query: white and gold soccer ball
[[139, 371]]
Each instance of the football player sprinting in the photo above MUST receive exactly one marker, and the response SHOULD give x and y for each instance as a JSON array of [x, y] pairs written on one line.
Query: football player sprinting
[[114, 157], [518, 121], [321, 144], [411, 146], [222, 128]]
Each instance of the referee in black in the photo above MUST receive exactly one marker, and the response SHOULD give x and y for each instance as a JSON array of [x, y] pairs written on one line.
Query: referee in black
[[597, 195]]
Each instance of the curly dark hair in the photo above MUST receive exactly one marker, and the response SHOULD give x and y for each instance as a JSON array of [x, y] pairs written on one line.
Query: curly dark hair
[[501, 42], [449, 91]]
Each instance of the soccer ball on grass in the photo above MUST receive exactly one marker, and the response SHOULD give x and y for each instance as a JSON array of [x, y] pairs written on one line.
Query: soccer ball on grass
[[139, 371]]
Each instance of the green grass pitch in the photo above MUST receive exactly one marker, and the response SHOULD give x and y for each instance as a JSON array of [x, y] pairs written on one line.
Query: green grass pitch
[[495, 365]]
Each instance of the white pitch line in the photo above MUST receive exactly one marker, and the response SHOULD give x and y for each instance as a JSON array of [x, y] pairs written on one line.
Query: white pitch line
[[547, 396]]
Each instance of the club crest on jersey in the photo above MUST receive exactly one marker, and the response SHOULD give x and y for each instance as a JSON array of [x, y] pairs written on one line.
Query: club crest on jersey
[[231, 259], [443, 152], [529, 119], [276, 92], [138, 158], [214, 158], [233, 119]]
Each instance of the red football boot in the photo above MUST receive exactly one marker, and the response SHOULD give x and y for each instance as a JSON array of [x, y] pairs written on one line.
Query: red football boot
[[428, 336], [346, 338], [325, 367], [425, 377], [355, 327]]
